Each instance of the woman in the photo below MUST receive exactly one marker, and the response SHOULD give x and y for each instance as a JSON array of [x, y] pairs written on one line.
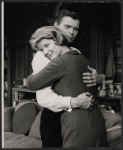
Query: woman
[[80, 128], [52, 102]]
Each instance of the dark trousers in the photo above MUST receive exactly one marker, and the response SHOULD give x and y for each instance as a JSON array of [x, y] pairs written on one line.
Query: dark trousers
[[50, 129]]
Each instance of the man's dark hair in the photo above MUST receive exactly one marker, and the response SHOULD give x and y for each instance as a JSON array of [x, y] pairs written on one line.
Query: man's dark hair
[[65, 13]]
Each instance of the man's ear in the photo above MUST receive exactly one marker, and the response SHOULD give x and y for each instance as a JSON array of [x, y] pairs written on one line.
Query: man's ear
[[55, 24]]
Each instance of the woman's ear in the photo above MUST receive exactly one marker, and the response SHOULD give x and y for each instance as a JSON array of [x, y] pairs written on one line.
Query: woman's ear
[[55, 24]]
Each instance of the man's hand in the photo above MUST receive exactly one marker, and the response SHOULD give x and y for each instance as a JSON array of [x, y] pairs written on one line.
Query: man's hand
[[92, 78], [84, 101]]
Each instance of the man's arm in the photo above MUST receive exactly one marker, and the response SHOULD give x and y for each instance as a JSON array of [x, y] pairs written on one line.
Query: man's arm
[[92, 78], [46, 97], [56, 103]]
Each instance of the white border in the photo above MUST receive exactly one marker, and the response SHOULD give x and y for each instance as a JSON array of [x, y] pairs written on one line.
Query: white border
[[2, 81]]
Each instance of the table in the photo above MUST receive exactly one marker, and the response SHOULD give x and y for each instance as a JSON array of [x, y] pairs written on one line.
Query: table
[[115, 102], [112, 101], [16, 94]]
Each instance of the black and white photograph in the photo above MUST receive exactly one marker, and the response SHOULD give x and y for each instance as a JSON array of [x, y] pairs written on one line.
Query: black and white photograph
[[61, 74]]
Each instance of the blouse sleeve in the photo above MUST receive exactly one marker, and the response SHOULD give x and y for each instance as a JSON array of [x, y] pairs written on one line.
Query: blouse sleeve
[[44, 78], [39, 62]]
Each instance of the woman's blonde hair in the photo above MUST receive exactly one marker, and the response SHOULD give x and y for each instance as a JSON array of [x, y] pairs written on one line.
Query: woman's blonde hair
[[47, 32]]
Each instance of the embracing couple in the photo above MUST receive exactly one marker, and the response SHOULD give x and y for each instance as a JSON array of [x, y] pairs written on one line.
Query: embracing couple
[[66, 87]]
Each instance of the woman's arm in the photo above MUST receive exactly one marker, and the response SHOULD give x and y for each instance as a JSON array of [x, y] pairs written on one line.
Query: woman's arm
[[44, 78]]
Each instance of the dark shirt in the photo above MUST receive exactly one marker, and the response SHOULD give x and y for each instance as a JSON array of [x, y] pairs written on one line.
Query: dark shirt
[[64, 73]]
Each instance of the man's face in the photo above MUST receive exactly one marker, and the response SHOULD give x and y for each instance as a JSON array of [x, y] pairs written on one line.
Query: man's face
[[69, 27]]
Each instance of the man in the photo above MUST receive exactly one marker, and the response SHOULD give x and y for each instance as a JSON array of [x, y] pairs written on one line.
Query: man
[[68, 23]]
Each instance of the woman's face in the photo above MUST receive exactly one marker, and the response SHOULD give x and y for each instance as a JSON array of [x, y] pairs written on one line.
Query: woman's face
[[49, 48]]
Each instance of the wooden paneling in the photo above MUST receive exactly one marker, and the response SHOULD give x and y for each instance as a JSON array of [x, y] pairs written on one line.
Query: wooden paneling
[[21, 64], [97, 47]]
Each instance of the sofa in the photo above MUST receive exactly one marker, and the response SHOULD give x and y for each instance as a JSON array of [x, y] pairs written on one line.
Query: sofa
[[22, 127]]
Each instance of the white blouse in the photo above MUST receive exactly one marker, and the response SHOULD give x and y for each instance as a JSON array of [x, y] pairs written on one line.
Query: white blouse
[[46, 97]]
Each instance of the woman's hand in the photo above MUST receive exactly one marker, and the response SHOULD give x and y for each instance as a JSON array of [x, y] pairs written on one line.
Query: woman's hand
[[83, 101]]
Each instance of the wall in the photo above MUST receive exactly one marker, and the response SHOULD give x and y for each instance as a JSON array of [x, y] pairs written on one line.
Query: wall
[[100, 24]]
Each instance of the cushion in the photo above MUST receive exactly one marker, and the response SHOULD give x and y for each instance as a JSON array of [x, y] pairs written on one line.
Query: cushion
[[8, 112], [23, 118], [114, 120], [114, 138], [26, 102], [35, 128], [13, 140], [114, 133], [21, 104]]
